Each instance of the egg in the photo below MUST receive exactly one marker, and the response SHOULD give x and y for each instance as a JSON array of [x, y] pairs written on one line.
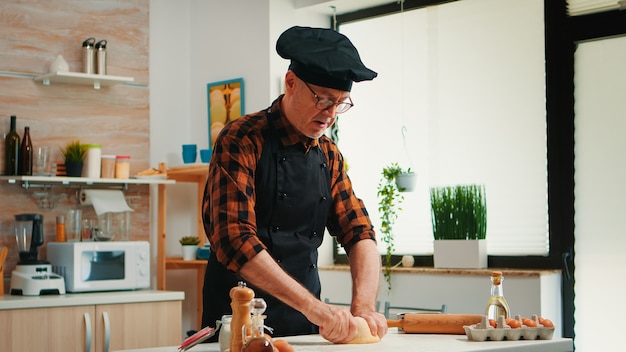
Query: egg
[[529, 322], [283, 346], [514, 324], [547, 323], [492, 323]]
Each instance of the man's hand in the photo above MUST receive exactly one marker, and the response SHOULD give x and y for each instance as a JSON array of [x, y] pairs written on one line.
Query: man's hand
[[376, 321], [337, 325]]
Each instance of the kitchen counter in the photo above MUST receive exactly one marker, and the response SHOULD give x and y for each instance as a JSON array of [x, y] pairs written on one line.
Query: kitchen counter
[[397, 341], [485, 272], [91, 298]]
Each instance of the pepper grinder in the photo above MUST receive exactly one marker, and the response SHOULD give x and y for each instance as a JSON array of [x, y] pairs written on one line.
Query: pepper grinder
[[240, 297]]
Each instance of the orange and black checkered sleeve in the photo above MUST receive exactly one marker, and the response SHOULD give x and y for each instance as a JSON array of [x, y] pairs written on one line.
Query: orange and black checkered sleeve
[[229, 197], [348, 219]]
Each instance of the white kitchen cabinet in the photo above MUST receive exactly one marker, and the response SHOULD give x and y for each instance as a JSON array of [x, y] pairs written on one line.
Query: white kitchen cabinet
[[138, 325], [91, 327], [48, 329]]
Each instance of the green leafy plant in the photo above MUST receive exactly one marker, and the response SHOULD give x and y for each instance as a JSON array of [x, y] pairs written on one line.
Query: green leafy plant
[[459, 212], [189, 240], [389, 200], [74, 151]]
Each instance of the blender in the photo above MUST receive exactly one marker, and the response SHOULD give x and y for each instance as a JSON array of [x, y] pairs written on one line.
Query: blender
[[33, 277]]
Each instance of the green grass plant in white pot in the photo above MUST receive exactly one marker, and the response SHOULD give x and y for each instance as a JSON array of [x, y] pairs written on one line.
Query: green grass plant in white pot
[[189, 246], [459, 219]]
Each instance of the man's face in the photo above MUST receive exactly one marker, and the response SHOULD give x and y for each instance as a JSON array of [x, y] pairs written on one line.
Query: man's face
[[303, 114]]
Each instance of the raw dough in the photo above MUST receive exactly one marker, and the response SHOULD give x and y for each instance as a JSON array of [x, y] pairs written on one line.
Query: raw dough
[[363, 334]]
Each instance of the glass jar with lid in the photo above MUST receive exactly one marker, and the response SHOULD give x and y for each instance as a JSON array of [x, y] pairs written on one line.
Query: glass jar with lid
[[122, 166]]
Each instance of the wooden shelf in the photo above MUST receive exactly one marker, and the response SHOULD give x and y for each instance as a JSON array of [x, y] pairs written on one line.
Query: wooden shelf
[[180, 263], [193, 173], [37, 181], [82, 78]]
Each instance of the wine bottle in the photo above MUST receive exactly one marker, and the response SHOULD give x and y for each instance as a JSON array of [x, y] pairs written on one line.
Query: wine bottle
[[12, 150], [26, 154], [497, 305]]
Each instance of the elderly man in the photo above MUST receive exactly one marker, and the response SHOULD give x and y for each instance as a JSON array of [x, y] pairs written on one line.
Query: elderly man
[[276, 183]]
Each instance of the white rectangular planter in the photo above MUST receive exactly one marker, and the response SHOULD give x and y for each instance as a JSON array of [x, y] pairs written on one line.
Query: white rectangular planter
[[467, 254]]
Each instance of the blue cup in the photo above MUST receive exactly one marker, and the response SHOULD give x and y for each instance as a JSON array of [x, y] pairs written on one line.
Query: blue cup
[[205, 155], [190, 153]]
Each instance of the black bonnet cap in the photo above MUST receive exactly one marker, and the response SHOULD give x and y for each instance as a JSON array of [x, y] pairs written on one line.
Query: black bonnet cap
[[323, 57]]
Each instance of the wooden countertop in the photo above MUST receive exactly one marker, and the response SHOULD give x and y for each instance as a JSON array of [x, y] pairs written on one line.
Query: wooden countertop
[[465, 272], [398, 341], [91, 298]]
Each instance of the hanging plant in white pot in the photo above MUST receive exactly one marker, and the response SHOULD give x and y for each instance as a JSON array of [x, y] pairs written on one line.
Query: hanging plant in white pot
[[389, 200], [459, 219], [406, 180]]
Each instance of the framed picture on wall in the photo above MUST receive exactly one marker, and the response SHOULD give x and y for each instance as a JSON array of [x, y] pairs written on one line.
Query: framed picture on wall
[[226, 103]]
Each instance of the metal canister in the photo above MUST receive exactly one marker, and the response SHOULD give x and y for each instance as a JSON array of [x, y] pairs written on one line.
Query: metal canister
[[89, 55], [101, 57]]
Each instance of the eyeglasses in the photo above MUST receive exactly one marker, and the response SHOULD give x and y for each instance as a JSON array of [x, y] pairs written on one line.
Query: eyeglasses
[[325, 103]]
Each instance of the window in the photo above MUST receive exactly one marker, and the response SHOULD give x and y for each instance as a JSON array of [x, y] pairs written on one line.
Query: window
[[465, 81]]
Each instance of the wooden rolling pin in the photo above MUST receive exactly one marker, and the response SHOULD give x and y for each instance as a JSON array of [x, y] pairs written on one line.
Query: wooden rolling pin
[[435, 323]]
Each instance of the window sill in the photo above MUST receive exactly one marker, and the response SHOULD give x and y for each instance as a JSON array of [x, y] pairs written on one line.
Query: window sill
[[463, 272]]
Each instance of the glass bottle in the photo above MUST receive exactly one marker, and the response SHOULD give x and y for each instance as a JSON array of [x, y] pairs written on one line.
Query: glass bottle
[[224, 335], [12, 150], [60, 229], [497, 305], [253, 336], [26, 154]]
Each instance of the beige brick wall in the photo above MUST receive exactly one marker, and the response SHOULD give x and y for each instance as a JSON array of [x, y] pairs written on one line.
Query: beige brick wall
[[33, 33]]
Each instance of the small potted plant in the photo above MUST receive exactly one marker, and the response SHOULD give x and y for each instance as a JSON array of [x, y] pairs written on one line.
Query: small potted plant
[[459, 219], [190, 246], [74, 154]]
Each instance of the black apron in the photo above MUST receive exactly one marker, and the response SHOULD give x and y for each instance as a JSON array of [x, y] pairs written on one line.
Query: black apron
[[292, 204]]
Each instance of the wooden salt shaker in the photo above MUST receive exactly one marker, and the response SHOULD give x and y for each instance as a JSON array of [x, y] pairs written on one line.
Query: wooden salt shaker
[[240, 297]]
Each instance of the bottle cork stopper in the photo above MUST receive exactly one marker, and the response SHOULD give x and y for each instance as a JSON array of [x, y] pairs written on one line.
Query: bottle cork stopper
[[496, 277]]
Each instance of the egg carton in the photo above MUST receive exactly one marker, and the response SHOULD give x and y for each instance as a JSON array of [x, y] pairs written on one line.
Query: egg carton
[[483, 331]]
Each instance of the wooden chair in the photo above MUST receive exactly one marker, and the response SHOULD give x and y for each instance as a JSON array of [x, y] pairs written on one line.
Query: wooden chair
[[401, 309], [343, 304]]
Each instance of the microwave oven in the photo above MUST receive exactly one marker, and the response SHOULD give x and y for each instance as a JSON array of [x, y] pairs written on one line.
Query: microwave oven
[[101, 266]]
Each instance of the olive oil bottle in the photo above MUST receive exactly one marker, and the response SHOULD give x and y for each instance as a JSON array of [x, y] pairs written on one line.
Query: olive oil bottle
[[497, 305]]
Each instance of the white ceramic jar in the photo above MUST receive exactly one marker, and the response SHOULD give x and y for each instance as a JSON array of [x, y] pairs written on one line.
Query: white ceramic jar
[[224, 335], [92, 165]]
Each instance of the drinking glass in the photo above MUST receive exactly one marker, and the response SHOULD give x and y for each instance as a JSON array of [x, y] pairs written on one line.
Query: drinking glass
[[74, 225], [123, 219], [41, 159], [88, 228]]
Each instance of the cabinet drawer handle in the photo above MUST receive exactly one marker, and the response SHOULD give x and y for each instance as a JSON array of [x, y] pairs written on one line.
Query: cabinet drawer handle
[[87, 332], [107, 331]]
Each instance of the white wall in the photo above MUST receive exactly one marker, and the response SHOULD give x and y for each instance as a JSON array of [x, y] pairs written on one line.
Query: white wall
[[600, 190], [193, 43], [463, 294]]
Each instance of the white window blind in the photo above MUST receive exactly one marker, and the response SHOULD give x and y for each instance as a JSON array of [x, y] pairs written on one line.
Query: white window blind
[[584, 7], [465, 81]]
